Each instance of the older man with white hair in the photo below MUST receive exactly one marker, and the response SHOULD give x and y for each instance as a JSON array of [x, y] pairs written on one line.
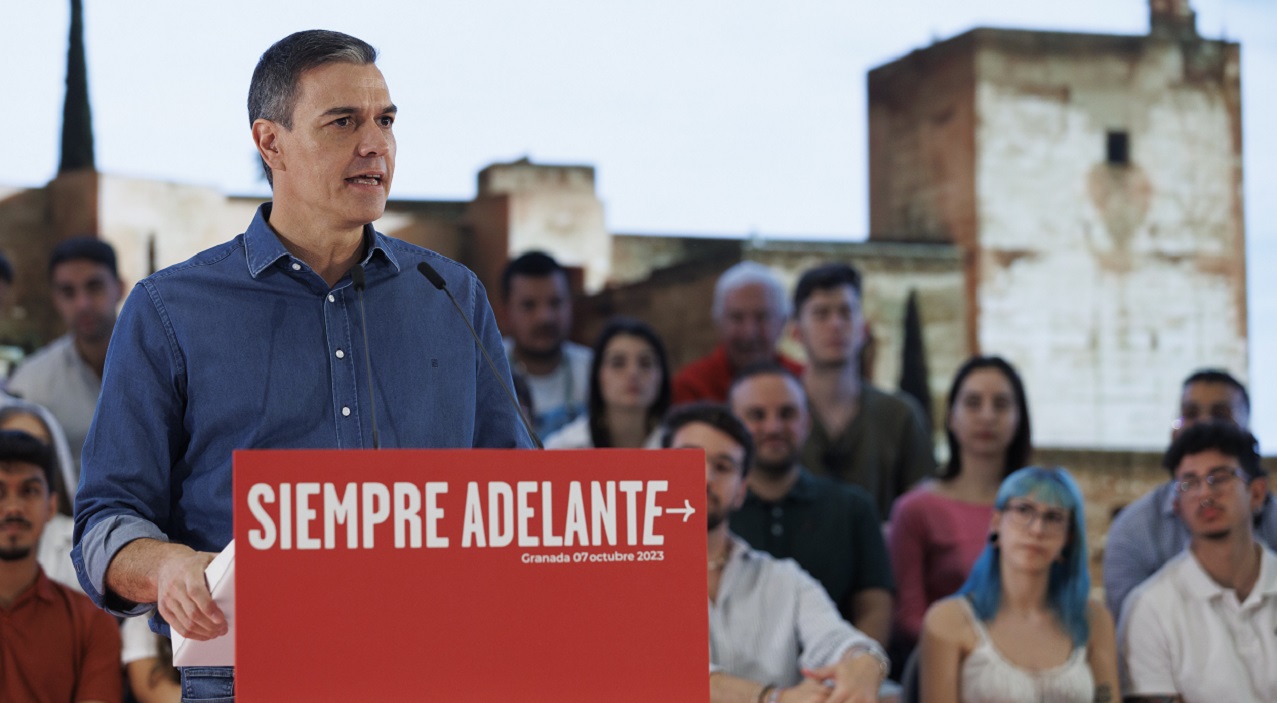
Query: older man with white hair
[[750, 309]]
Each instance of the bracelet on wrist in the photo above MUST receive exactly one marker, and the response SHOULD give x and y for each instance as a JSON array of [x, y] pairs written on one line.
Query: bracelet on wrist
[[884, 664]]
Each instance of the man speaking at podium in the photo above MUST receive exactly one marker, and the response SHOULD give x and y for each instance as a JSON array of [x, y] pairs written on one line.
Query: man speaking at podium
[[262, 342]]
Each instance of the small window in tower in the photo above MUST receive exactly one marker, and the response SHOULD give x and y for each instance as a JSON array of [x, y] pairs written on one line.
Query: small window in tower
[[1119, 148]]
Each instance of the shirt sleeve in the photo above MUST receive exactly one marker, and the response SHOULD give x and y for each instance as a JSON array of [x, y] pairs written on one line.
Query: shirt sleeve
[[823, 635], [137, 433], [100, 678], [917, 457], [137, 641], [908, 560], [1144, 653], [873, 568], [1128, 556]]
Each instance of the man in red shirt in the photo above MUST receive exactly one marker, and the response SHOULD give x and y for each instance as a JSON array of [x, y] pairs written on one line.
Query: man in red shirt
[[750, 310], [55, 645]]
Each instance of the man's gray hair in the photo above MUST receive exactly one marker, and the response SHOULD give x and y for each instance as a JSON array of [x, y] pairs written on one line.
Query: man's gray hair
[[273, 93], [749, 273]]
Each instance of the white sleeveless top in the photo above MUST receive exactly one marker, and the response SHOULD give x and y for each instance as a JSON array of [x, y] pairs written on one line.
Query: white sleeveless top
[[987, 677]]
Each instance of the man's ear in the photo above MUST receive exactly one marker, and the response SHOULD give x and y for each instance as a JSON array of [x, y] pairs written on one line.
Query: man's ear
[[1257, 492], [266, 139]]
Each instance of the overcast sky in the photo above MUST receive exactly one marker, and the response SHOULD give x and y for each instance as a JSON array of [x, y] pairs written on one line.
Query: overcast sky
[[701, 117]]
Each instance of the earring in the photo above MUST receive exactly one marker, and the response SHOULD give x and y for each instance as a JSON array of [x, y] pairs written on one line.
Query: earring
[[993, 538]]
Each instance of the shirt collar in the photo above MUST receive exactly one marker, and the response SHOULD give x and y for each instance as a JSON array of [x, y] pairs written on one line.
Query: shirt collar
[[262, 246], [41, 588], [804, 490], [1201, 586]]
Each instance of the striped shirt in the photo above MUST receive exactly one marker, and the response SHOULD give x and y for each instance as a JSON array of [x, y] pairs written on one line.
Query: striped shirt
[[772, 619]]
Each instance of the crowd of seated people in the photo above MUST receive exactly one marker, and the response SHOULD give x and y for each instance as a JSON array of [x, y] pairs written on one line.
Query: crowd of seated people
[[978, 584], [987, 557]]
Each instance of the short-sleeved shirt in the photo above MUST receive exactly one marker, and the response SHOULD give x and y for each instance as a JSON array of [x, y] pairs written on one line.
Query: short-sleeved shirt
[[710, 377], [885, 450], [56, 646], [1148, 533], [57, 378], [831, 529], [1183, 634], [562, 395]]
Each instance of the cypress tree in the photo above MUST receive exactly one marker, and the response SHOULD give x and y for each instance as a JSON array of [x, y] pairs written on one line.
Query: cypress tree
[[77, 119]]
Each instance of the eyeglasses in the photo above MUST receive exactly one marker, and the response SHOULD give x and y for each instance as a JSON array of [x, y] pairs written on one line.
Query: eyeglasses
[[1023, 514], [1215, 478]]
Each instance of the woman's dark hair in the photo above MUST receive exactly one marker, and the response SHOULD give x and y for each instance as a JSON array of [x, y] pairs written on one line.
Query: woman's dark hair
[[599, 434], [57, 480], [1021, 447]]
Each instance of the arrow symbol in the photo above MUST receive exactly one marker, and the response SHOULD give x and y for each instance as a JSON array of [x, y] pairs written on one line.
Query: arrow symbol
[[686, 510]]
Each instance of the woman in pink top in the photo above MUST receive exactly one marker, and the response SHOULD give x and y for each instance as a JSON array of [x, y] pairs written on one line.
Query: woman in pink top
[[939, 528]]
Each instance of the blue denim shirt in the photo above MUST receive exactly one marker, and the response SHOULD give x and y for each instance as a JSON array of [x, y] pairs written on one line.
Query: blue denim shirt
[[245, 346]]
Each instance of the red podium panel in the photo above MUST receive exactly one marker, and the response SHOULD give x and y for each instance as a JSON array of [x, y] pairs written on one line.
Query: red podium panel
[[470, 575]]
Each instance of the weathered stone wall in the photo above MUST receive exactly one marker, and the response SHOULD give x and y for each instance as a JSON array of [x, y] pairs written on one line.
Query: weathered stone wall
[[1107, 283], [554, 209]]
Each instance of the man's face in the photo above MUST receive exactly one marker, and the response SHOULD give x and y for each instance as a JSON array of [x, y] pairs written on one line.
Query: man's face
[[338, 159], [829, 326], [1215, 512], [1208, 400], [85, 294], [26, 505], [539, 313], [774, 409], [749, 324], [724, 468]]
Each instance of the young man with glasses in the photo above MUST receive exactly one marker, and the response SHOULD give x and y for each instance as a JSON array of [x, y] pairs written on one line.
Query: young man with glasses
[[1202, 628], [1148, 532]]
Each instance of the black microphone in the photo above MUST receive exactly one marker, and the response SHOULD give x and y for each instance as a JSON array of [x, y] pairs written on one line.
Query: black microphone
[[437, 281], [357, 277]]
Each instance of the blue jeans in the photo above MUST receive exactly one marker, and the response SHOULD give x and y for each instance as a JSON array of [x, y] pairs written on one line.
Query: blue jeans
[[208, 684]]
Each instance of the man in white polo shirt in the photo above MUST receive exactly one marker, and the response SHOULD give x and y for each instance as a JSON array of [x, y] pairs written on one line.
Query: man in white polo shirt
[[1202, 628]]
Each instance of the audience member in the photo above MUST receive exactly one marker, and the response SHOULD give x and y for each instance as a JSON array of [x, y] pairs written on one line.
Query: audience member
[[831, 529], [66, 375], [57, 646], [774, 633], [862, 435], [1201, 629], [1148, 533], [54, 553], [629, 391], [749, 313], [538, 317], [939, 528], [148, 663], [1022, 628]]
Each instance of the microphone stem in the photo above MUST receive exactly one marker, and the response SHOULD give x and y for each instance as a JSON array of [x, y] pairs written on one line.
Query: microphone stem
[[372, 404], [492, 365]]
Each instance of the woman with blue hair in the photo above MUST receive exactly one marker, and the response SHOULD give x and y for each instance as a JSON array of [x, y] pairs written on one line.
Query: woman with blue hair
[[1022, 627]]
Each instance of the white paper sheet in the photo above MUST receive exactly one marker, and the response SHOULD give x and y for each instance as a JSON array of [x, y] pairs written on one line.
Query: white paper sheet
[[219, 651]]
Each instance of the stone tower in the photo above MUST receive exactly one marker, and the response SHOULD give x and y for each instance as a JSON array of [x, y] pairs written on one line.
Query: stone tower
[[1094, 186]]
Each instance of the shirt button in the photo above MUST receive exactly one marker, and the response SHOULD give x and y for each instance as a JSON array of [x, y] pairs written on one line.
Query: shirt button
[[331, 299], [345, 412], [297, 267], [341, 354], [777, 511], [777, 529]]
